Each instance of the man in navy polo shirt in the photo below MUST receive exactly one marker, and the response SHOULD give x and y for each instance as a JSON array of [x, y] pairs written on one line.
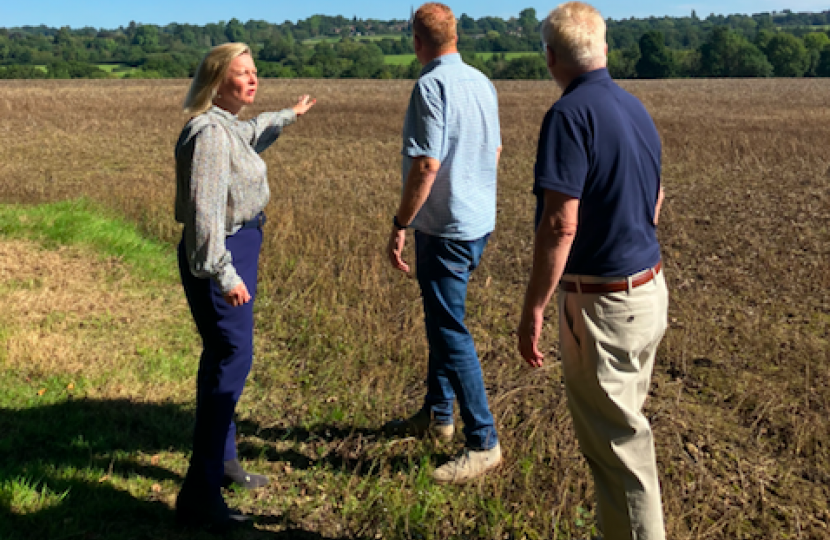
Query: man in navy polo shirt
[[597, 183]]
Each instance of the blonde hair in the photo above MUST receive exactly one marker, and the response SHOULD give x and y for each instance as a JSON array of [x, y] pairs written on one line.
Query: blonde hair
[[575, 31], [435, 24], [209, 75]]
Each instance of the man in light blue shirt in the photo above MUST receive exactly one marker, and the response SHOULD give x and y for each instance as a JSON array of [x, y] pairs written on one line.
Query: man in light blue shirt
[[451, 148]]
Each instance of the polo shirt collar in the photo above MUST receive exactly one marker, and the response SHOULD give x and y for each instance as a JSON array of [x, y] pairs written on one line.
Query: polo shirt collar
[[587, 78], [443, 60]]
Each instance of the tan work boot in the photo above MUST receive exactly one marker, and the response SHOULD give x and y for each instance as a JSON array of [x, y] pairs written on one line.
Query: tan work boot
[[468, 465], [419, 425]]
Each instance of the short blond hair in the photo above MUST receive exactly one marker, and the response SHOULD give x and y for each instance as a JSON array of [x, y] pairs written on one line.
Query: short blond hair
[[435, 25], [575, 31], [209, 75]]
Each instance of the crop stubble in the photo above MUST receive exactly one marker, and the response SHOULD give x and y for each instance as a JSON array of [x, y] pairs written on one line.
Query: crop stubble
[[740, 396]]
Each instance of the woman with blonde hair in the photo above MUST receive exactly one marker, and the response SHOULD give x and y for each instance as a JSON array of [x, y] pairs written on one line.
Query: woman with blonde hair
[[221, 191]]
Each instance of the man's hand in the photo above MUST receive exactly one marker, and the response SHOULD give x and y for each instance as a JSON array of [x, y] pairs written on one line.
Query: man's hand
[[238, 296], [416, 190], [394, 249], [551, 249], [660, 196], [530, 329]]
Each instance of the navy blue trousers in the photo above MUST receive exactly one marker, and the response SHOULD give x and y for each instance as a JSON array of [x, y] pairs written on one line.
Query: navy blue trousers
[[228, 345]]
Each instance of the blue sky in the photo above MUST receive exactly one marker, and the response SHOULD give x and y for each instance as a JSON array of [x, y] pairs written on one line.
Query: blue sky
[[113, 13]]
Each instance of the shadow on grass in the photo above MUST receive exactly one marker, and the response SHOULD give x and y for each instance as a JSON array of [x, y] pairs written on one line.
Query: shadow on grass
[[356, 451], [61, 459]]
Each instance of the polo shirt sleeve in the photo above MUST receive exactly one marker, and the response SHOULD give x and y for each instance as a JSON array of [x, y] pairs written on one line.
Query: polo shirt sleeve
[[425, 133], [562, 158]]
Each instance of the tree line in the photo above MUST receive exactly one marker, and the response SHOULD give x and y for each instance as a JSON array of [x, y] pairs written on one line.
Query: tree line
[[784, 44]]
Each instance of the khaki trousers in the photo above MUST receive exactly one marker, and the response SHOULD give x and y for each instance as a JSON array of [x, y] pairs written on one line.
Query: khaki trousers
[[608, 343]]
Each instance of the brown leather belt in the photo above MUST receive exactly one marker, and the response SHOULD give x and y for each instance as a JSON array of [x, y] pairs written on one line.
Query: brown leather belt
[[612, 286]]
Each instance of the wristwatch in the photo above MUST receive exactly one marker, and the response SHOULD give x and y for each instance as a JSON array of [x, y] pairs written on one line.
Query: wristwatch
[[397, 224]]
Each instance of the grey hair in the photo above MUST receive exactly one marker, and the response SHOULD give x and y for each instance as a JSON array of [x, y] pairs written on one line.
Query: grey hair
[[575, 31]]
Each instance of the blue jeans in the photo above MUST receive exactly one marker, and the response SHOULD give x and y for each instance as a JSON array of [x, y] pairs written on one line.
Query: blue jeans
[[444, 267]]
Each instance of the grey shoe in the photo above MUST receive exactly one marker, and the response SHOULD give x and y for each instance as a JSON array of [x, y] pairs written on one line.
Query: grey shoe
[[419, 425], [470, 464], [236, 475]]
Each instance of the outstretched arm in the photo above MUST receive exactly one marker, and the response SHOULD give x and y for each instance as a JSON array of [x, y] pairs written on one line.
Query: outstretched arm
[[267, 127]]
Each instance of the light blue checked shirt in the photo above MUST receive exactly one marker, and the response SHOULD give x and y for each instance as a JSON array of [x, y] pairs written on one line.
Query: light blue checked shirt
[[453, 117]]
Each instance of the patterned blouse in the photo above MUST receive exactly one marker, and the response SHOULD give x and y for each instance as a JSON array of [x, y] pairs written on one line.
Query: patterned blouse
[[221, 183]]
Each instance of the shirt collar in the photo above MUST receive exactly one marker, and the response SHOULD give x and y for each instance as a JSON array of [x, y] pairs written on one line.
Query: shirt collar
[[443, 60], [227, 115], [587, 78]]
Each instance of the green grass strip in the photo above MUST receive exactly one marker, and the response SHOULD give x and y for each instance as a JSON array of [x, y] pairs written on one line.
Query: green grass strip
[[85, 224], [399, 59]]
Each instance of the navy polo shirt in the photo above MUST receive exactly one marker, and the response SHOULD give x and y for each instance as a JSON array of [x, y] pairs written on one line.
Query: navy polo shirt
[[599, 144]]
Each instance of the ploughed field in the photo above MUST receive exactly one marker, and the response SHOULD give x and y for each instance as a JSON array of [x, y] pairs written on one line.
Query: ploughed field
[[741, 392]]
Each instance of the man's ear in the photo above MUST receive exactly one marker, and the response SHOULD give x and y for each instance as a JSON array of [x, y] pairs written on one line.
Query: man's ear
[[550, 57], [416, 42]]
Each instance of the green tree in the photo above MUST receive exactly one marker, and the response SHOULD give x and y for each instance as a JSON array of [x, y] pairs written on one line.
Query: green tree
[[325, 58], [523, 67], [413, 70], [146, 37], [235, 32], [528, 21], [74, 70], [64, 38], [66, 47], [687, 63], [166, 65], [276, 50], [313, 24], [727, 54], [272, 69], [311, 72], [788, 55], [5, 48], [467, 24], [22, 72], [405, 46], [689, 46], [656, 60], [815, 42], [823, 67], [763, 37], [622, 63], [367, 61]]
